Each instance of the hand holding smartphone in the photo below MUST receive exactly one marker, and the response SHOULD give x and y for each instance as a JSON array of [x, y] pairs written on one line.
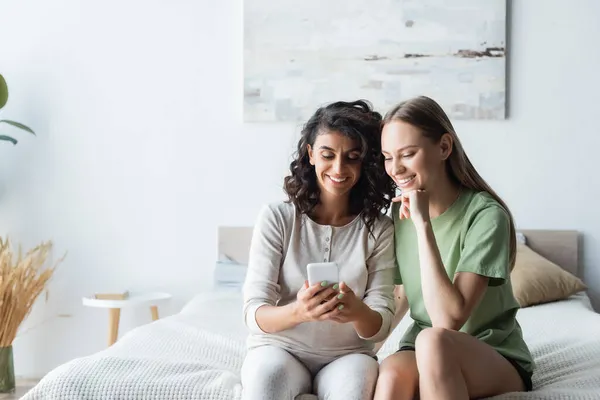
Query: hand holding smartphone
[[324, 297], [318, 299]]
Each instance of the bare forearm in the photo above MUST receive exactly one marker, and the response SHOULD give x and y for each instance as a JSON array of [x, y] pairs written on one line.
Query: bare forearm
[[368, 322], [273, 319], [442, 300]]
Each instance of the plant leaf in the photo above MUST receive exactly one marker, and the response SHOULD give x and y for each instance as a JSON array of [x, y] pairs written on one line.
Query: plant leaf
[[8, 139], [18, 125], [3, 92]]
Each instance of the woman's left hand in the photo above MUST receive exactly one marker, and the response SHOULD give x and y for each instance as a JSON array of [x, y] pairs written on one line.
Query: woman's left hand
[[414, 205], [350, 306]]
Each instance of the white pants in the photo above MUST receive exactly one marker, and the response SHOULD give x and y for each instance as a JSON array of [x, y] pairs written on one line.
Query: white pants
[[271, 373]]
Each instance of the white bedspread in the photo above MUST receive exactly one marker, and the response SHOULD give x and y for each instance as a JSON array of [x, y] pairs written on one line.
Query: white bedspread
[[197, 354]]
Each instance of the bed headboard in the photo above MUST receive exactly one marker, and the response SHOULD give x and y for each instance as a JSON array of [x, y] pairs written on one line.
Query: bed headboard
[[234, 242], [558, 246]]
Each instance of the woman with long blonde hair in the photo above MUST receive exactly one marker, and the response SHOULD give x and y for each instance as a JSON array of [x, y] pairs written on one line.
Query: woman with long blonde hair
[[455, 248]]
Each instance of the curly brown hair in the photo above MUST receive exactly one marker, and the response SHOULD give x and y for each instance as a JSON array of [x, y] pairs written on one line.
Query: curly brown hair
[[373, 192]]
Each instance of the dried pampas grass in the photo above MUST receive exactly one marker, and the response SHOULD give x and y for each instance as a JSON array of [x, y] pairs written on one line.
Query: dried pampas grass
[[21, 282]]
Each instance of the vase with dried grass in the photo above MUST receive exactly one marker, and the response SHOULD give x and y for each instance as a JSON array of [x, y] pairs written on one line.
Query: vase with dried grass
[[22, 280]]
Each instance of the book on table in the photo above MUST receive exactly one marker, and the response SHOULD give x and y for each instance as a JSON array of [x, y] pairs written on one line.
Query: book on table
[[116, 295]]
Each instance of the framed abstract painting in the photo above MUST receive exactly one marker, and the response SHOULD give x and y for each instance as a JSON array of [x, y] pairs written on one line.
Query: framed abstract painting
[[299, 55]]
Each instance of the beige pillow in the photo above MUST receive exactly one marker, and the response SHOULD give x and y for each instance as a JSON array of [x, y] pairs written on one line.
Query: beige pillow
[[537, 280]]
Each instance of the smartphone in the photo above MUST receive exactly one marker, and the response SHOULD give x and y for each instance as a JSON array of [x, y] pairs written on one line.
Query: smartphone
[[323, 271]]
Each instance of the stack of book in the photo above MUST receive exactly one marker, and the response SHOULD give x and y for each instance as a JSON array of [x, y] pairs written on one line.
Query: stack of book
[[119, 295]]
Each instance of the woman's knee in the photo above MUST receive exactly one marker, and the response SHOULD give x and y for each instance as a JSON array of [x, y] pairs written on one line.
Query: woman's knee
[[273, 370], [268, 374], [397, 372], [350, 377], [434, 351], [268, 371], [389, 370]]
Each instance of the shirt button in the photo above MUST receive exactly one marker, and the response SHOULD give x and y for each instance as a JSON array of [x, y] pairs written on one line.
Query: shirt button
[[327, 239], [326, 249]]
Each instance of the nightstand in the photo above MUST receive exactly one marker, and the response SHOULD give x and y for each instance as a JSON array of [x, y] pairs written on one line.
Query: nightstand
[[151, 300]]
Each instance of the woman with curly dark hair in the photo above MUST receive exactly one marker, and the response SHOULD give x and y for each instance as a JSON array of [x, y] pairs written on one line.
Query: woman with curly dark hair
[[320, 337]]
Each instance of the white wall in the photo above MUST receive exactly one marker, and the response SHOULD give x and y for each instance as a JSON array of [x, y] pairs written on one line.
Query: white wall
[[126, 95]]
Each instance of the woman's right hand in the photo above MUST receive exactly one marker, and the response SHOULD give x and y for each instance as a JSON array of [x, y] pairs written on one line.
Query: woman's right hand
[[317, 302]]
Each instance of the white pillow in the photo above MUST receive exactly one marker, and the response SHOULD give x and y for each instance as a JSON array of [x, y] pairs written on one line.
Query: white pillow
[[229, 273], [521, 238]]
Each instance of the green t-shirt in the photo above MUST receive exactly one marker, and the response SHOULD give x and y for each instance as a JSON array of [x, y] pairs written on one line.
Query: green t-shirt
[[472, 236]]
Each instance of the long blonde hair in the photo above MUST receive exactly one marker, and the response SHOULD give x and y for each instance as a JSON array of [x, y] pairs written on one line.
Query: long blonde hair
[[428, 116]]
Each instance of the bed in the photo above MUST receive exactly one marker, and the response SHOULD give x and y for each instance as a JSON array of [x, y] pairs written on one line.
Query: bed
[[197, 353]]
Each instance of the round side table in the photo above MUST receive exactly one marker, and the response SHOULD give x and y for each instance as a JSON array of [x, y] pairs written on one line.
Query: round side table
[[153, 300]]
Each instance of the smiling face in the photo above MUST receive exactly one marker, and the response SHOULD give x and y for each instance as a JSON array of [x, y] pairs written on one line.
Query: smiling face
[[337, 162], [412, 160]]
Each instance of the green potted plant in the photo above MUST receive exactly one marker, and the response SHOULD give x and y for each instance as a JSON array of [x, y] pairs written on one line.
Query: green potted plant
[[3, 101], [20, 283]]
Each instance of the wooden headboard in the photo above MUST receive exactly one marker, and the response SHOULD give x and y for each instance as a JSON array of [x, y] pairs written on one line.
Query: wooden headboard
[[558, 246]]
